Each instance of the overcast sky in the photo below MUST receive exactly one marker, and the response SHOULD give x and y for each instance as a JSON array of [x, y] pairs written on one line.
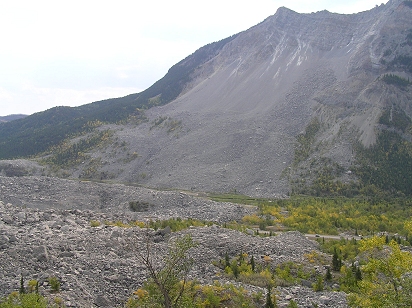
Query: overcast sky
[[69, 53]]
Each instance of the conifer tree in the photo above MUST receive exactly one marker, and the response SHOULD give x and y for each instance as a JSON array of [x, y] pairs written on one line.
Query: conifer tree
[[21, 290], [336, 261], [252, 263], [269, 302]]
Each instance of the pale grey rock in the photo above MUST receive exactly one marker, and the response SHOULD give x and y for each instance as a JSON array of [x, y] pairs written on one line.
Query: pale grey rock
[[41, 253], [235, 134], [4, 241], [99, 266], [324, 300], [102, 301], [7, 219]]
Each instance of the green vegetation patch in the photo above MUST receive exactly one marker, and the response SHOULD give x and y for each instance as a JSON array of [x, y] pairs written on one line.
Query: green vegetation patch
[[387, 165], [237, 198], [396, 118], [178, 224], [305, 141], [408, 3], [69, 153], [402, 61], [395, 80], [38, 132], [175, 224], [337, 215], [361, 215], [383, 170]]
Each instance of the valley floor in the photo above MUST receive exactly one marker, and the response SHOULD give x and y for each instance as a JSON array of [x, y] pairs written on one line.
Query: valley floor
[[91, 249]]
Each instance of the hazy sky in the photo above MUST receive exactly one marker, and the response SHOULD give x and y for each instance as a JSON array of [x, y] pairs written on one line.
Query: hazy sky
[[69, 53]]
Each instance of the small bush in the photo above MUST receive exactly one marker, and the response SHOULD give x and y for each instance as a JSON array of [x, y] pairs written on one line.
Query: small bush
[[58, 302], [318, 286], [94, 223], [139, 206], [33, 285], [54, 284], [395, 80], [292, 304], [17, 300]]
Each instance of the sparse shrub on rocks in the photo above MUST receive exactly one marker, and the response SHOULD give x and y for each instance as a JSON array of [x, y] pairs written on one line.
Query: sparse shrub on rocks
[[58, 303], [292, 304], [139, 206], [23, 299], [178, 224], [28, 300], [318, 285], [95, 223], [117, 223], [167, 286], [54, 284], [33, 286], [13, 170]]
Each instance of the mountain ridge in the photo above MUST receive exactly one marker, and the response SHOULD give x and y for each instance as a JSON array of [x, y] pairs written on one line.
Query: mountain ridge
[[12, 117], [240, 112]]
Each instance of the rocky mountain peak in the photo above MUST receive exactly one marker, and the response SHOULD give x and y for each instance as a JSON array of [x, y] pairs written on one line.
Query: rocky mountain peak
[[230, 116]]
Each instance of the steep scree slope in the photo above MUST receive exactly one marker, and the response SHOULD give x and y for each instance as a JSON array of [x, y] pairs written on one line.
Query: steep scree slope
[[234, 127], [236, 122]]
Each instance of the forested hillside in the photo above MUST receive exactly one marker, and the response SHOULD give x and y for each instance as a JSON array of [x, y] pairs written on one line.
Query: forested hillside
[[38, 132]]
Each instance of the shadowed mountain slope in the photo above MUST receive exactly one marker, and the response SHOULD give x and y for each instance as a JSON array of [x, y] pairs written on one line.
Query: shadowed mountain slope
[[38, 132], [12, 117]]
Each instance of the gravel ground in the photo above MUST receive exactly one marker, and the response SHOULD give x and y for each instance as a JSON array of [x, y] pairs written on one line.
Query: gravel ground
[[99, 266]]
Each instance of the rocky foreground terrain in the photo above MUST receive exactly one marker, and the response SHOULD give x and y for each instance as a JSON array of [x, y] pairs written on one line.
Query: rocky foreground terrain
[[55, 193], [97, 266]]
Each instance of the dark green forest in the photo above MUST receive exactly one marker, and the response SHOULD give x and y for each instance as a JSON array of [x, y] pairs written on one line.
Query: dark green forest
[[388, 164], [383, 170], [40, 131]]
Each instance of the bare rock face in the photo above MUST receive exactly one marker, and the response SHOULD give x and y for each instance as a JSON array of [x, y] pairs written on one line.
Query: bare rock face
[[236, 123], [234, 126]]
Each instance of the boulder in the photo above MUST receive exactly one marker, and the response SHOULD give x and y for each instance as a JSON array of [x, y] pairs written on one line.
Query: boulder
[[41, 253]]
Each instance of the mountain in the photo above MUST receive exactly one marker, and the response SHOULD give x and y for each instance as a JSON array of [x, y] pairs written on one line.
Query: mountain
[[314, 103], [37, 133], [12, 117]]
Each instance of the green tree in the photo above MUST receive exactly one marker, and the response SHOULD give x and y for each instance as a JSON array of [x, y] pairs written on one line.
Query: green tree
[[269, 301], [385, 282], [54, 284], [252, 263], [167, 286], [227, 260], [23, 300], [318, 285], [328, 275], [336, 261], [21, 290], [235, 268]]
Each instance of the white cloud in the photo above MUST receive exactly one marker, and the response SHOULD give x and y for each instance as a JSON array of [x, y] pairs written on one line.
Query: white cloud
[[72, 52], [55, 97]]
